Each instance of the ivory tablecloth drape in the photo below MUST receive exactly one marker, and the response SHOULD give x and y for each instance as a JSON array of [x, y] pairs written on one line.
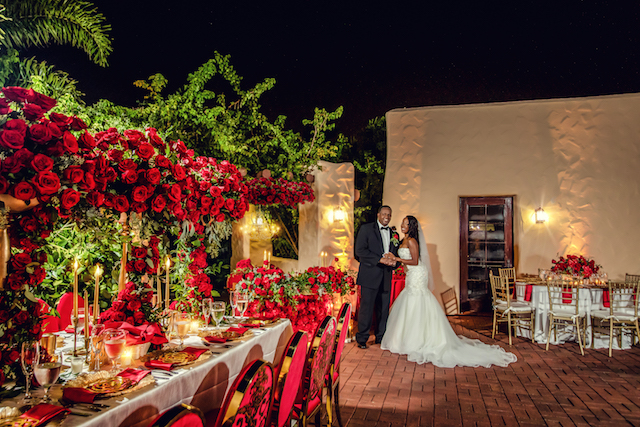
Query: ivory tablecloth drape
[[590, 299], [204, 385]]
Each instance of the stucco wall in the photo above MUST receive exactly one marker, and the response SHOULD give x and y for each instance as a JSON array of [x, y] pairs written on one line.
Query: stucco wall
[[576, 158]]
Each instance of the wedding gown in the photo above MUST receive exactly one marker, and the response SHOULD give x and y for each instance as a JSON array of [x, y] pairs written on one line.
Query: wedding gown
[[418, 327]]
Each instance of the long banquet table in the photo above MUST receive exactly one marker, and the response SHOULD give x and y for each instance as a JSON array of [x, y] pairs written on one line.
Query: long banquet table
[[203, 384], [590, 299]]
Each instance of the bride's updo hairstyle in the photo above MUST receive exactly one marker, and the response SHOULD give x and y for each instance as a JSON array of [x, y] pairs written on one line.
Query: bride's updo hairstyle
[[413, 227]]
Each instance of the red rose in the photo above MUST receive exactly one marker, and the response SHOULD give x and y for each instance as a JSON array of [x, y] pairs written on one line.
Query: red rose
[[158, 203], [153, 176], [73, 174], [134, 305], [28, 224], [70, 142], [60, 120], [178, 172], [69, 198], [88, 183], [139, 252], [127, 164], [4, 109], [155, 139], [130, 176], [220, 217], [140, 193], [230, 204], [163, 162], [139, 207], [11, 165], [134, 136], [145, 151], [77, 124], [46, 182], [33, 112], [3, 185], [139, 318], [23, 191], [140, 265], [121, 203], [20, 261], [110, 174], [21, 318], [11, 139], [95, 198], [87, 141], [175, 192], [41, 163], [18, 94]]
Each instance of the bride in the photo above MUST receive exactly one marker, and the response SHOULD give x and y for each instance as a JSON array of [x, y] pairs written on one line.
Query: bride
[[418, 327]]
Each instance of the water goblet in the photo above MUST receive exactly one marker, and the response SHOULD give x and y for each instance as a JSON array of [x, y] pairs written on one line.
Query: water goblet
[[218, 309], [182, 322], [205, 307], [47, 374], [242, 302], [29, 358], [233, 298], [96, 343], [114, 343]]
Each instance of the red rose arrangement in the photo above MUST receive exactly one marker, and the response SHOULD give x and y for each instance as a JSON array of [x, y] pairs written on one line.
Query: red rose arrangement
[[269, 191], [303, 298], [133, 306], [575, 265]]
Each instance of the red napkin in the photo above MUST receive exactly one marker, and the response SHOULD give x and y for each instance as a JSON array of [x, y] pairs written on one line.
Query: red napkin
[[43, 412], [240, 330], [147, 332], [528, 290], [251, 325], [567, 296], [135, 375], [605, 298], [215, 339]]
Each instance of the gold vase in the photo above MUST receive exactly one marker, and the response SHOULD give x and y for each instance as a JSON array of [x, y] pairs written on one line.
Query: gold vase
[[5, 255]]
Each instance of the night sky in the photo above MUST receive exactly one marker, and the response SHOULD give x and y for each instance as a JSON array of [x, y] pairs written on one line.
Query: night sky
[[370, 57]]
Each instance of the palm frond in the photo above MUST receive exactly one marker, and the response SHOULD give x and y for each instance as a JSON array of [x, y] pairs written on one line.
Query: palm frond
[[42, 22]]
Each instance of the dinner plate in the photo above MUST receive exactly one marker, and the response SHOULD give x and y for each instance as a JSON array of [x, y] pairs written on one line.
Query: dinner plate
[[229, 335], [110, 385]]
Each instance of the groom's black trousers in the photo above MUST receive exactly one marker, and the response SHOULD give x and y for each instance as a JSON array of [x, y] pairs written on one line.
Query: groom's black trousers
[[372, 301]]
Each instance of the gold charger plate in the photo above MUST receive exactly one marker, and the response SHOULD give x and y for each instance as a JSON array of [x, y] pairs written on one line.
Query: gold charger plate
[[254, 321], [18, 422], [88, 379], [177, 358], [110, 385], [229, 335]]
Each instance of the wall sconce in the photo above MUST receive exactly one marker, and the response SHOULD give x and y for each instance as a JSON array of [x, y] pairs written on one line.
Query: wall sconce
[[541, 216], [337, 214]]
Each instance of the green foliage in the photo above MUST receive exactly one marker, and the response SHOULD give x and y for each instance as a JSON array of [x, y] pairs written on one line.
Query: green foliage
[[42, 22]]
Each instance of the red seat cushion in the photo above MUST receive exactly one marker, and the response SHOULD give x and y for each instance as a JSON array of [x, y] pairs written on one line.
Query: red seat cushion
[[313, 404]]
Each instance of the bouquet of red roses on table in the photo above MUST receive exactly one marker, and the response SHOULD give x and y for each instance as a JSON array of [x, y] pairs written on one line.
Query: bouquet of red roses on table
[[575, 265]]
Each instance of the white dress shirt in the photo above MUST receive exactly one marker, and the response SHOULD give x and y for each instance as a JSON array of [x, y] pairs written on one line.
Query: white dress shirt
[[386, 236]]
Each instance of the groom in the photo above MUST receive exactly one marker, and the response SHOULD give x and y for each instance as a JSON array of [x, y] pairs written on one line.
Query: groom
[[374, 276]]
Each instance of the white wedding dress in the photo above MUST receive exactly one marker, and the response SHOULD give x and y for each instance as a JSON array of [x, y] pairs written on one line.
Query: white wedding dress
[[418, 327]]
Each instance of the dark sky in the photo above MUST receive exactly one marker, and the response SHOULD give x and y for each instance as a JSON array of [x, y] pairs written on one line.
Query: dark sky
[[371, 57]]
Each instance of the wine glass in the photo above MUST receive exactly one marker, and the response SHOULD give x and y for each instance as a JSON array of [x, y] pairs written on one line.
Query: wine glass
[[96, 340], [114, 343], [29, 358], [218, 309], [182, 323], [205, 307], [233, 297], [242, 302], [47, 374]]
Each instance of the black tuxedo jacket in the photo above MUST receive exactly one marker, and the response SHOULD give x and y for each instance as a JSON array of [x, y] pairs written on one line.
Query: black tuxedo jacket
[[369, 250]]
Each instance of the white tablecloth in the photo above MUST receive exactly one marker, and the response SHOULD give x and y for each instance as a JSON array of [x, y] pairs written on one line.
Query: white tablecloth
[[203, 385], [589, 300]]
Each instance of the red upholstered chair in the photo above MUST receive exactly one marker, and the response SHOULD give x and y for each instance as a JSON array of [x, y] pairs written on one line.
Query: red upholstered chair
[[289, 379], [180, 416], [50, 323], [65, 307], [309, 403], [333, 377], [249, 399]]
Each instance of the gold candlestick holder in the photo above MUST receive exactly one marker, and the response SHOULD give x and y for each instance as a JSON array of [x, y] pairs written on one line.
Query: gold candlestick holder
[[74, 323]]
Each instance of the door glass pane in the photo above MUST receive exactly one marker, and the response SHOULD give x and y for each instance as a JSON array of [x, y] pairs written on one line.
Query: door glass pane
[[477, 213], [495, 252], [495, 213], [477, 253]]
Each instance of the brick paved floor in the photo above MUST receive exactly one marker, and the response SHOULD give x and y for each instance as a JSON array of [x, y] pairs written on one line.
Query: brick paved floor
[[556, 388]]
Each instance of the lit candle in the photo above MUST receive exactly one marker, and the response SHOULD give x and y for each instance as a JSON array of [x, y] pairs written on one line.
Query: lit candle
[[166, 289], [86, 315], [125, 359], [269, 258], [264, 257], [159, 297], [75, 288], [96, 295]]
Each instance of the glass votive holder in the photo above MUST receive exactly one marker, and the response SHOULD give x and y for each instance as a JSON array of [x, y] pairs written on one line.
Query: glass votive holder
[[76, 364]]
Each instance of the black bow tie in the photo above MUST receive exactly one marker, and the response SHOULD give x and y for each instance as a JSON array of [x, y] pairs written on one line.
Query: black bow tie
[[384, 228]]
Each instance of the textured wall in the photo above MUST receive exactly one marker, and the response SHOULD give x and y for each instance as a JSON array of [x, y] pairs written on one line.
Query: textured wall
[[577, 158]]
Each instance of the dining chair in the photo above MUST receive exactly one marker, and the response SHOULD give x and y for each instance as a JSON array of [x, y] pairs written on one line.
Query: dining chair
[[450, 302], [309, 403], [248, 401], [180, 416], [622, 312], [289, 379], [564, 309], [510, 274], [332, 381], [64, 307], [504, 305], [631, 278]]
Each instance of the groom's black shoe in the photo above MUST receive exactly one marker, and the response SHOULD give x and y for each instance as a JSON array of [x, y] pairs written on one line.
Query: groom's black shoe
[[363, 346], [378, 341]]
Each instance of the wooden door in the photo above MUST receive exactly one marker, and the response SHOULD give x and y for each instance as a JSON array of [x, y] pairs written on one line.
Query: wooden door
[[486, 244]]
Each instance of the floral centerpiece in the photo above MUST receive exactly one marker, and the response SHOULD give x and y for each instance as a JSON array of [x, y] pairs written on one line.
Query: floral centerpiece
[[269, 191], [303, 298], [575, 265]]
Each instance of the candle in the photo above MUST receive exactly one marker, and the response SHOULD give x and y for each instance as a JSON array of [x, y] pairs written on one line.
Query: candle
[[125, 359], [75, 288], [166, 289], [159, 297], [86, 315], [264, 258], [96, 295], [269, 258]]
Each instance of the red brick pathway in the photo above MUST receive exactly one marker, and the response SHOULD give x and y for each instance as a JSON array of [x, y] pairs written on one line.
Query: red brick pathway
[[556, 388]]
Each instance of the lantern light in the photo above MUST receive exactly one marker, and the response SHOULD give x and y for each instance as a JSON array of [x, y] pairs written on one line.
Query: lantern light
[[541, 216]]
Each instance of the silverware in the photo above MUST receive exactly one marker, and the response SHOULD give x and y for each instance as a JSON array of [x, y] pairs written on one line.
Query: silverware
[[80, 414]]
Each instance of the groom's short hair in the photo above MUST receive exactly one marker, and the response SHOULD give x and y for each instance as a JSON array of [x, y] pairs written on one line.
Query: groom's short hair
[[384, 206]]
